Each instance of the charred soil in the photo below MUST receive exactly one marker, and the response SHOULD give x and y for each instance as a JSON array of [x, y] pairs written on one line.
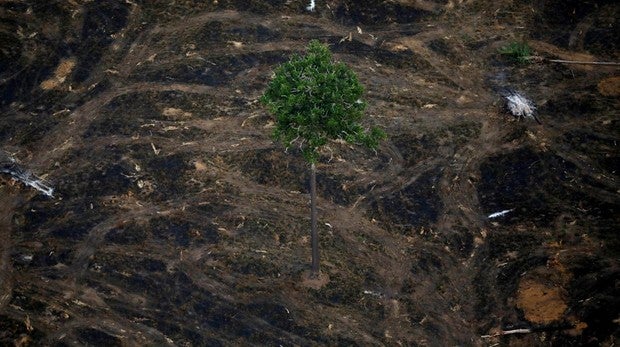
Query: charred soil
[[178, 221]]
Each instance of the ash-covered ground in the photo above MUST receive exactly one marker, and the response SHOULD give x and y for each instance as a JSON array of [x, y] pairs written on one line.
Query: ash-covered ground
[[176, 220]]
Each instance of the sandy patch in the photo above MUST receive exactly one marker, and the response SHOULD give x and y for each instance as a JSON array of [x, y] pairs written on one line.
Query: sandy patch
[[63, 70], [176, 113], [200, 166]]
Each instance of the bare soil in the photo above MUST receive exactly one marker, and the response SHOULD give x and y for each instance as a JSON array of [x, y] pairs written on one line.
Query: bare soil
[[178, 221]]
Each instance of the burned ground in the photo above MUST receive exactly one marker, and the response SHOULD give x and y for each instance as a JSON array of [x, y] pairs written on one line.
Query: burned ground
[[177, 220]]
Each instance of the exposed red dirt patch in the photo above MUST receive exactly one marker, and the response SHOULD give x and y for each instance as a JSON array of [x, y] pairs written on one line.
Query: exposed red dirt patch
[[541, 303], [610, 86]]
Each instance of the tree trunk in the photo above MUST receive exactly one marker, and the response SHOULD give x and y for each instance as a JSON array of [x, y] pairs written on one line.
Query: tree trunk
[[313, 218]]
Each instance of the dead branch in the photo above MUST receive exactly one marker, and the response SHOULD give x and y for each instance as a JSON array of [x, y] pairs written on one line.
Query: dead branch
[[540, 59], [508, 332], [607, 63], [536, 329]]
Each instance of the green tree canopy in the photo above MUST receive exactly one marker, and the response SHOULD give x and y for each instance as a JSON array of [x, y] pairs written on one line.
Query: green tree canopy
[[314, 99]]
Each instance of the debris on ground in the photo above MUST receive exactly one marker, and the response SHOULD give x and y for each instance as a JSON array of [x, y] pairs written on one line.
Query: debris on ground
[[10, 166], [520, 106], [500, 213]]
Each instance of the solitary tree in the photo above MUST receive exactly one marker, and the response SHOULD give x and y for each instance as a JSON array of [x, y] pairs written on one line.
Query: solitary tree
[[314, 99]]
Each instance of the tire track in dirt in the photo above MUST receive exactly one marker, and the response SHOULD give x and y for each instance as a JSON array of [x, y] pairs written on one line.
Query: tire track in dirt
[[459, 192], [86, 249], [68, 134]]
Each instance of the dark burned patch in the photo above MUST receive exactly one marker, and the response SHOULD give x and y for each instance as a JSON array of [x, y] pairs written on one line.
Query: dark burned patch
[[426, 262], [415, 148], [503, 242], [258, 6], [130, 234], [210, 209], [26, 301], [12, 50], [217, 33], [14, 332], [460, 239], [535, 185], [179, 10], [272, 167], [166, 290], [72, 220], [610, 163], [507, 255], [141, 263], [96, 337], [101, 21], [34, 216], [440, 46], [151, 265], [572, 105], [168, 173], [595, 296], [397, 59], [264, 233], [14, 7], [416, 205], [26, 128], [598, 146], [149, 113], [153, 104], [123, 276], [109, 174], [76, 225], [556, 22], [340, 291], [274, 313], [181, 333], [213, 71], [375, 12], [602, 218], [336, 188], [195, 319], [599, 39], [181, 232], [214, 314], [256, 228], [90, 183], [251, 263], [53, 257], [27, 61]]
